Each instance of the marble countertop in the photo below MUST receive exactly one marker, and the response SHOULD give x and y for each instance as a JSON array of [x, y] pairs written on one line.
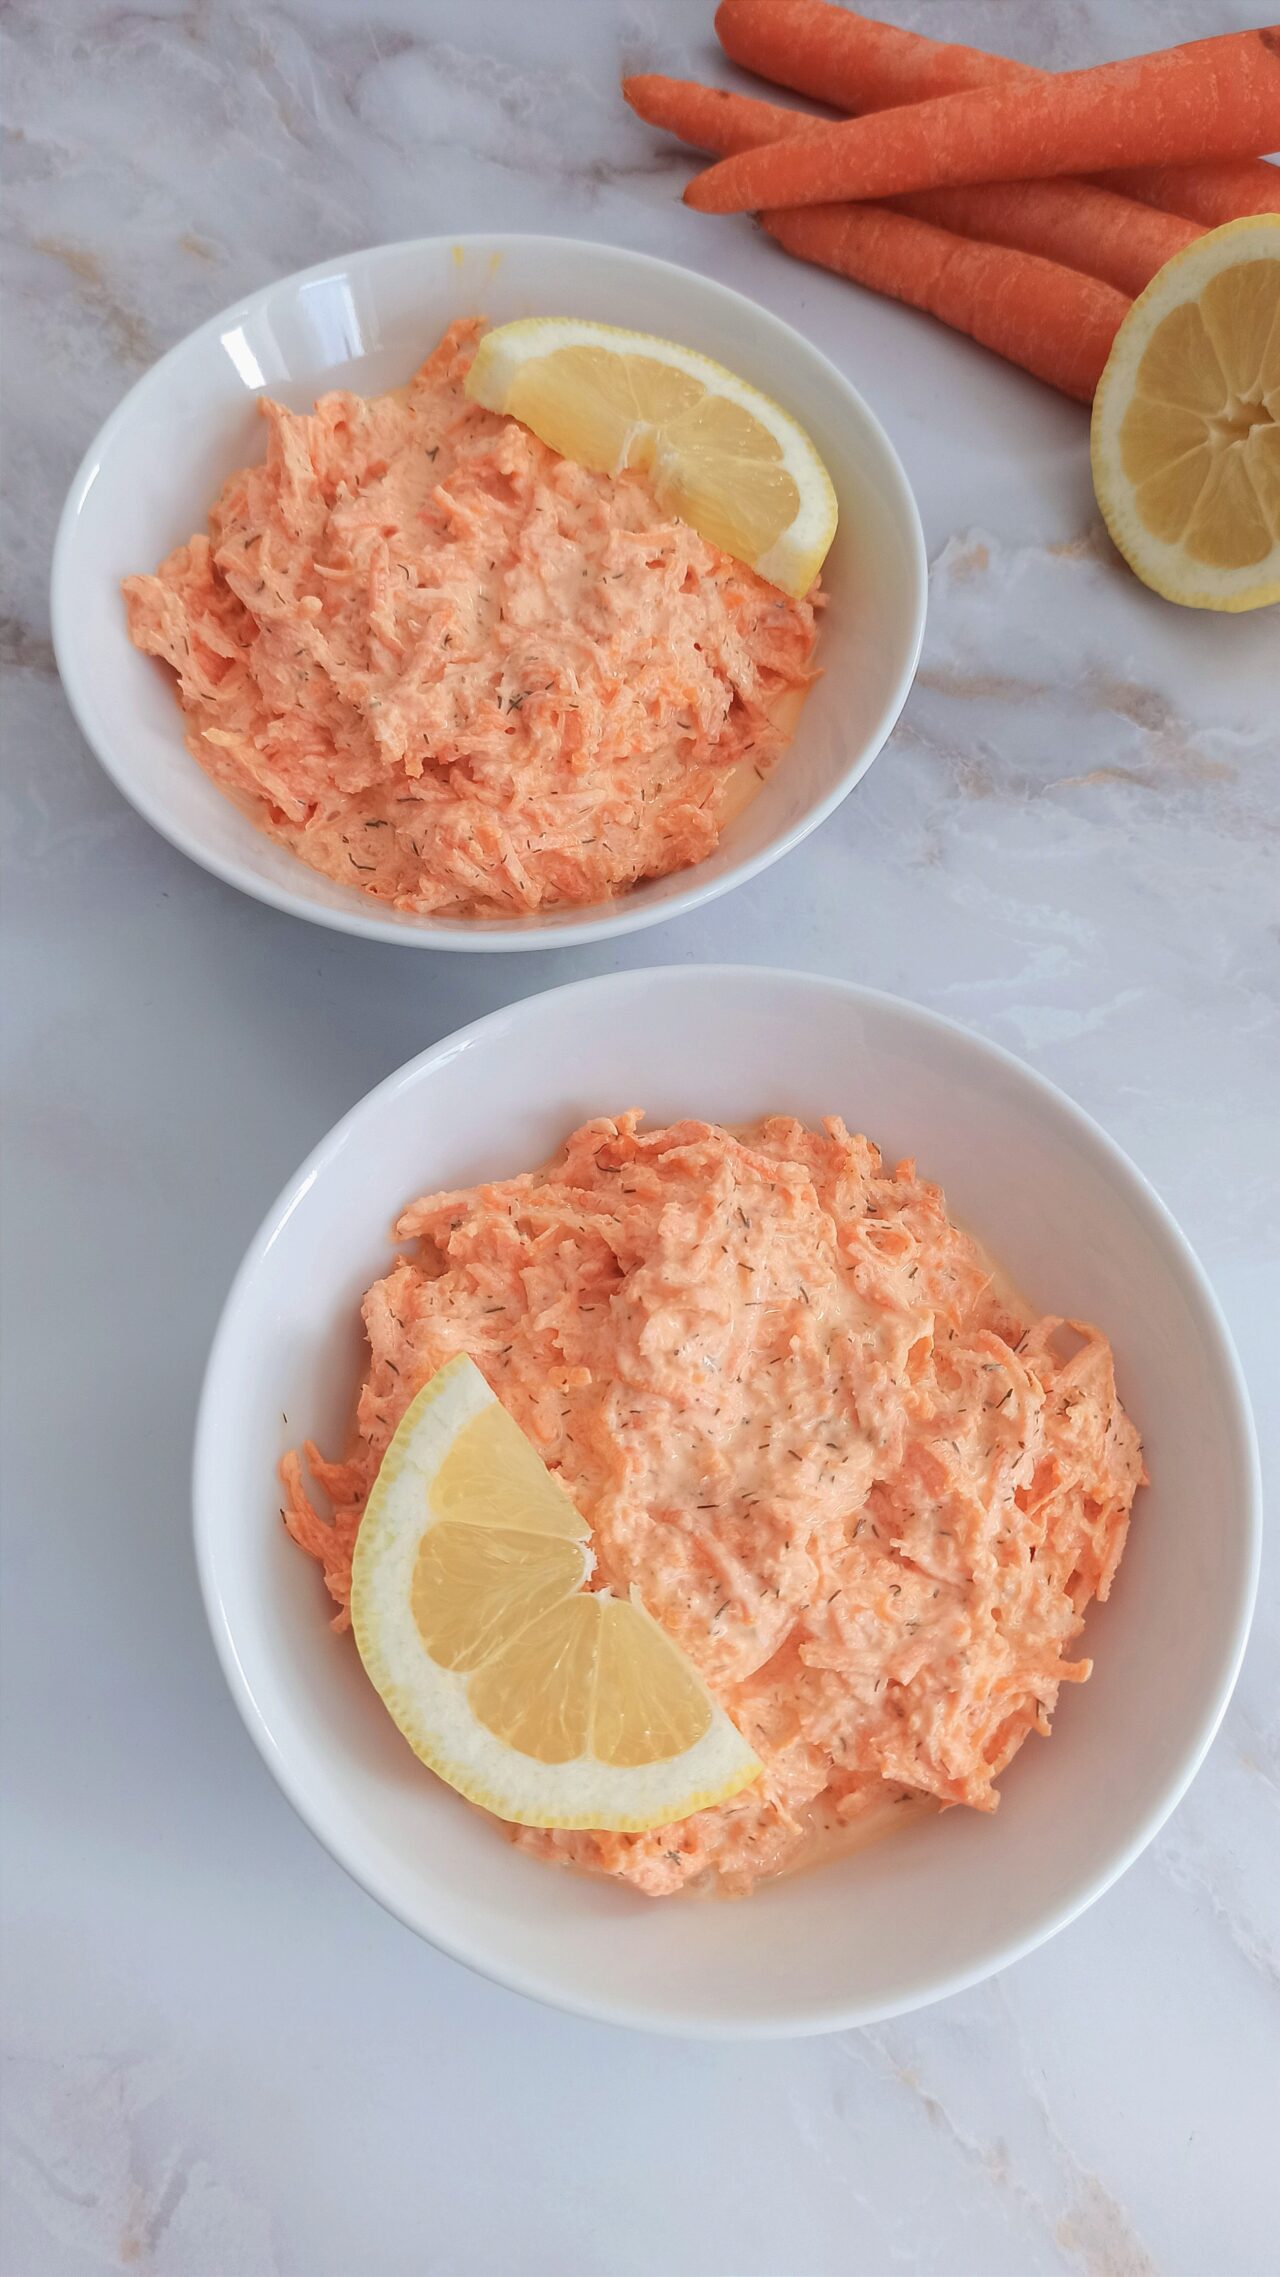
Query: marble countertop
[[222, 2060]]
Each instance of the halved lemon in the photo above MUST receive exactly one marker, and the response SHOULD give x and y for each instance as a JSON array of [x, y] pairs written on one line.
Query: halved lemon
[[548, 1703], [718, 453], [1186, 423]]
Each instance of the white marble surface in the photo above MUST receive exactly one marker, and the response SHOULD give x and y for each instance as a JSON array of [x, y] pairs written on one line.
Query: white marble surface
[[223, 2061]]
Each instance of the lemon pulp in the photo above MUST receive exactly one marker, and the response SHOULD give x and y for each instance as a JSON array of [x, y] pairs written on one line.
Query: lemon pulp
[[547, 1702], [1186, 430]]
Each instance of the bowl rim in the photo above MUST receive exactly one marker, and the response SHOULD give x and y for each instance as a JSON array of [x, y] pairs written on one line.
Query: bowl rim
[[533, 1982], [503, 935]]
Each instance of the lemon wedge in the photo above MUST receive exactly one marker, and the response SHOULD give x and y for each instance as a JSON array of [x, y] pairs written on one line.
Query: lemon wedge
[[545, 1702], [719, 454], [1186, 423]]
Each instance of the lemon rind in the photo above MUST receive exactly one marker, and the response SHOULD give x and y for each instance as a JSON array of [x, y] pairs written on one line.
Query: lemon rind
[[798, 552]]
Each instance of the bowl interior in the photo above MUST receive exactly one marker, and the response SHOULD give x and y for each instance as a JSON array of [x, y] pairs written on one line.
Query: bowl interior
[[365, 322], [947, 1899]]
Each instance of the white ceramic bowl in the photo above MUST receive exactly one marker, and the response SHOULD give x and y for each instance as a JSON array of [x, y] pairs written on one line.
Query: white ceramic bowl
[[365, 322], [949, 1899]]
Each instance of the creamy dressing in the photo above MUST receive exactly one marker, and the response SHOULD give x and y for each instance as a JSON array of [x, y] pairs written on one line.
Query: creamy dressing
[[866, 1495], [748, 775], [460, 673]]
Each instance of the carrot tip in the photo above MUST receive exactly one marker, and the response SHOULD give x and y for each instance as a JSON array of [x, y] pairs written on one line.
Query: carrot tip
[[695, 195]]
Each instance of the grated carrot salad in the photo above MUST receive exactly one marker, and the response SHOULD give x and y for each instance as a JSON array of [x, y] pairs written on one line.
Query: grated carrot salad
[[454, 670], [867, 1492]]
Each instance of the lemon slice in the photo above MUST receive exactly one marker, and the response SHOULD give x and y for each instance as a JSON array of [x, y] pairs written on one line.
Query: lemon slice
[[547, 1703], [718, 454], [1186, 423]]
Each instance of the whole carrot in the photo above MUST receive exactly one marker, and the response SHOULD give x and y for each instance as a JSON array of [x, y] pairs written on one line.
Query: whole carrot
[[1207, 194], [1052, 321], [1216, 98], [712, 118], [857, 64], [1076, 223], [851, 61]]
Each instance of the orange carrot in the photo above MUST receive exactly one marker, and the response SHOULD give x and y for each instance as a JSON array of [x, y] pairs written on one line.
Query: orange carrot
[[1052, 321], [1207, 194], [856, 64], [1076, 223], [850, 61], [1215, 98], [711, 118]]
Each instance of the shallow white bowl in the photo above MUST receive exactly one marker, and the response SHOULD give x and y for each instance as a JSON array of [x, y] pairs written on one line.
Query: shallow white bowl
[[365, 322], [947, 1900]]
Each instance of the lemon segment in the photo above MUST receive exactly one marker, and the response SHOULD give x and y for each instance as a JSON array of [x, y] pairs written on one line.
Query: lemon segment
[[717, 453], [544, 1701], [477, 1587], [1186, 423], [492, 1477], [647, 1696]]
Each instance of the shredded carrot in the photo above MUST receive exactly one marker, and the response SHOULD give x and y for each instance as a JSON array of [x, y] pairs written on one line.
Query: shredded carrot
[[1052, 321], [1216, 98], [857, 64], [1077, 223], [444, 665], [877, 1609]]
